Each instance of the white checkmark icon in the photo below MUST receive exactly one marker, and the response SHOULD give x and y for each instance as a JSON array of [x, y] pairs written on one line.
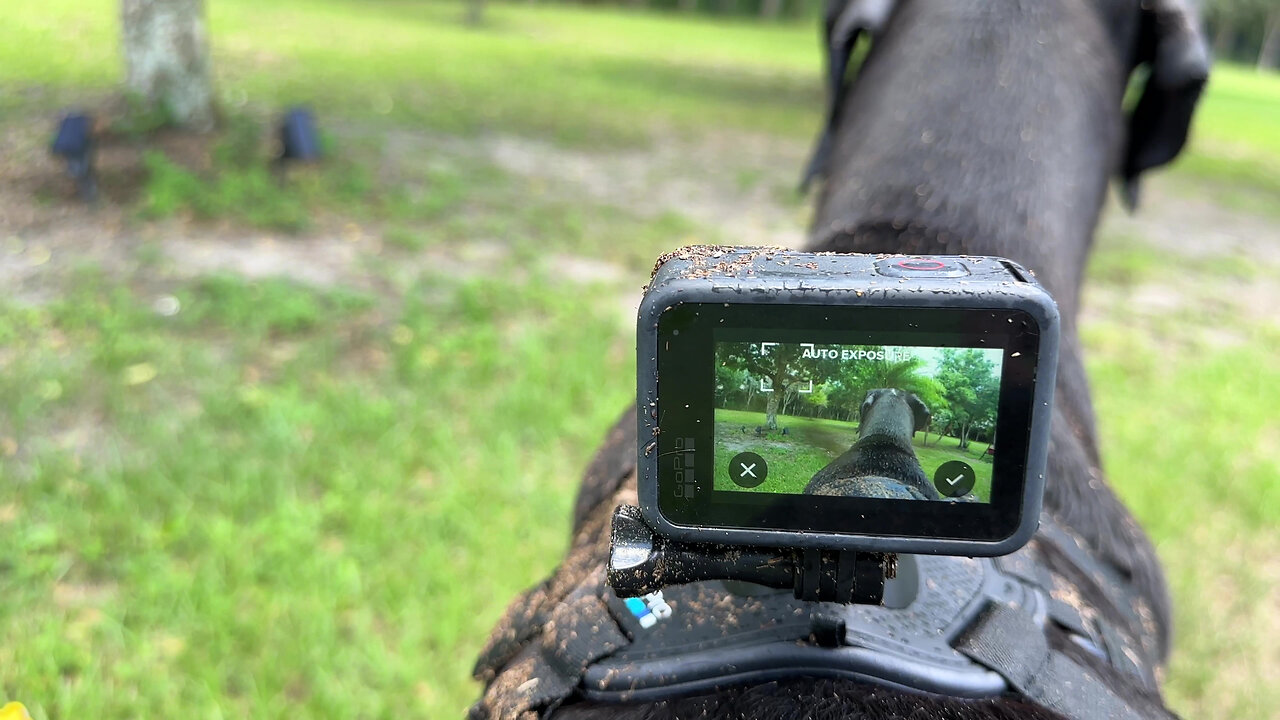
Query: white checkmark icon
[[952, 482]]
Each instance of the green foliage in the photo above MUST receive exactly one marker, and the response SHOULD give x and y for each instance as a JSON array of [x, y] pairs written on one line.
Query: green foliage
[[244, 183], [169, 188], [249, 194], [780, 364], [971, 390], [859, 377], [962, 396]]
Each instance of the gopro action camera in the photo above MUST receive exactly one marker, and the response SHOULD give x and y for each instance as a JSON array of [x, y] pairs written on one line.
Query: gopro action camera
[[844, 402]]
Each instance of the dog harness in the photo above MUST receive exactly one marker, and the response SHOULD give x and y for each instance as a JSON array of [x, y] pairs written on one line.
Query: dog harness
[[958, 627]]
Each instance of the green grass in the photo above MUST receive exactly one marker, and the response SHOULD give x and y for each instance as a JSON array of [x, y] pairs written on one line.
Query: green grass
[[631, 72], [1234, 153], [573, 75], [294, 501], [277, 503], [948, 448], [564, 72], [1240, 110], [1191, 446], [792, 459]]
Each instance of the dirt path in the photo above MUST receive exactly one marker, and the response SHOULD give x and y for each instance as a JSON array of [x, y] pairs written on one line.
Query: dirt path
[[740, 188]]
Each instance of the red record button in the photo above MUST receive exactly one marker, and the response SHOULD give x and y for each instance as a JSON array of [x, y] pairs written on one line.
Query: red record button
[[921, 264], [922, 267]]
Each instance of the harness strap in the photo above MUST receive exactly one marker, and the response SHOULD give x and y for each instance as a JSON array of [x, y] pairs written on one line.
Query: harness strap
[[524, 617], [544, 673], [571, 637], [845, 21], [1009, 642], [1116, 627]]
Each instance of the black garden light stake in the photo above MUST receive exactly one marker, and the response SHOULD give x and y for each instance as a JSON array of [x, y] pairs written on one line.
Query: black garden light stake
[[74, 142], [299, 140]]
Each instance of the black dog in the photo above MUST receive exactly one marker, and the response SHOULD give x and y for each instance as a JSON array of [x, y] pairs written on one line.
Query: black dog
[[973, 126], [882, 462]]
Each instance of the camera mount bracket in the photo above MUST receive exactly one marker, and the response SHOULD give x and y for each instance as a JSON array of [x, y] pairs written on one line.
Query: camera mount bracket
[[641, 562]]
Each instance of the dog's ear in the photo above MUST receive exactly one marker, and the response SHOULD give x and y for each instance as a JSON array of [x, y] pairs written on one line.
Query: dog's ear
[[843, 22], [867, 402], [919, 411], [1172, 46]]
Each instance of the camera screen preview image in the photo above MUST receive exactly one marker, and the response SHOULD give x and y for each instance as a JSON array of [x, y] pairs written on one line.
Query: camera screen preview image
[[876, 421]]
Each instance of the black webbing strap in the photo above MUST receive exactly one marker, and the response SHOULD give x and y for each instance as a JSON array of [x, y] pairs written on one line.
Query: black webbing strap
[[844, 21], [545, 672], [1008, 641], [1118, 652], [1112, 626]]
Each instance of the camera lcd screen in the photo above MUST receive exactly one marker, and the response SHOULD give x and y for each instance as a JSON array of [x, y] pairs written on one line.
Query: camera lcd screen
[[843, 419], [881, 421]]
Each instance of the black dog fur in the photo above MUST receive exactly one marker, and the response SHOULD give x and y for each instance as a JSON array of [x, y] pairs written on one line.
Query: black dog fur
[[882, 463], [977, 127]]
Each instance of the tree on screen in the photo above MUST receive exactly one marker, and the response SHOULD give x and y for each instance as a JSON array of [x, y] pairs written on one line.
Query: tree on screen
[[735, 388], [774, 368], [854, 379], [971, 390]]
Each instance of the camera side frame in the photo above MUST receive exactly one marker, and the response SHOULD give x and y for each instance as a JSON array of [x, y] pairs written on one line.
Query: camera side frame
[[771, 277]]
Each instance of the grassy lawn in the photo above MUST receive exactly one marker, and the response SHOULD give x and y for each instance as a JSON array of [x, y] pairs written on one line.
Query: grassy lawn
[[278, 503], [948, 448], [811, 443], [232, 497], [569, 73], [792, 458], [1234, 155]]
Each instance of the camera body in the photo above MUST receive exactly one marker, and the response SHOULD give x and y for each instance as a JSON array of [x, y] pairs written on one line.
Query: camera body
[[753, 365]]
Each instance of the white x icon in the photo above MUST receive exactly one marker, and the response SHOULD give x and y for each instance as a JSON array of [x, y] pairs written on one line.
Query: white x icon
[[746, 470]]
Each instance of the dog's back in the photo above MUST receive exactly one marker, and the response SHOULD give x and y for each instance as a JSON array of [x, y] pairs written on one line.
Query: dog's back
[[983, 127]]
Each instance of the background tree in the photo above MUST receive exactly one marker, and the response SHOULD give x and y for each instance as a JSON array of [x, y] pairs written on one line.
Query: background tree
[[971, 389], [779, 364], [941, 422], [1269, 54], [166, 53], [858, 377], [735, 387], [817, 401], [1246, 30]]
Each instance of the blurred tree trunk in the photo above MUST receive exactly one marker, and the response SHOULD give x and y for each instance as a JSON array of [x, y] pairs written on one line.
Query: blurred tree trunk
[[688, 5], [770, 8], [1223, 36], [475, 12], [771, 408], [1269, 55], [727, 7], [166, 54]]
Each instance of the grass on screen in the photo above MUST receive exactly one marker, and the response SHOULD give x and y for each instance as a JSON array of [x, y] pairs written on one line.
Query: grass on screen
[[811, 443]]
